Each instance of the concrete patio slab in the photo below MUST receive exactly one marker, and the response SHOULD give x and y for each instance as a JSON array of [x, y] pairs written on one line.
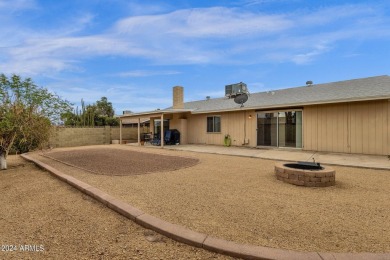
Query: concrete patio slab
[[341, 159]]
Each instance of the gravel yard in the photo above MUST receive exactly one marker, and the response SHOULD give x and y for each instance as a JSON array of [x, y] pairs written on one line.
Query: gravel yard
[[42, 211], [109, 162], [239, 199]]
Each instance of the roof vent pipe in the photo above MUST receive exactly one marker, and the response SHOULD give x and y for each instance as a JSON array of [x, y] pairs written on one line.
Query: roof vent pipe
[[309, 83]]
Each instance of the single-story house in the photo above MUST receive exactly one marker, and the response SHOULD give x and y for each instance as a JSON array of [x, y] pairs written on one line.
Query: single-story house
[[351, 116]]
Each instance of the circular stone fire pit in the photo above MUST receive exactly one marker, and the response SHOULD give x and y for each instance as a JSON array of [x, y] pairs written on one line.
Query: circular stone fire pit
[[305, 174]]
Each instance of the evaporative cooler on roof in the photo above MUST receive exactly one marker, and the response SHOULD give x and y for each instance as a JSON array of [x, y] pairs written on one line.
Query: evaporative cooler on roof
[[232, 90]]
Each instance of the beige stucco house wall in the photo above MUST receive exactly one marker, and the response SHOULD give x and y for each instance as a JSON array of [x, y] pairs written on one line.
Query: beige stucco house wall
[[180, 122], [232, 123], [354, 127]]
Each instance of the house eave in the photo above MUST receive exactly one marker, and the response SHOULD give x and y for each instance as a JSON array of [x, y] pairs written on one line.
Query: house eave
[[301, 104], [154, 113], [246, 108]]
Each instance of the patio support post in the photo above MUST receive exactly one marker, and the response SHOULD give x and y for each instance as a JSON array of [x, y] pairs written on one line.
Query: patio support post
[[139, 131], [120, 131], [151, 126], [162, 130]]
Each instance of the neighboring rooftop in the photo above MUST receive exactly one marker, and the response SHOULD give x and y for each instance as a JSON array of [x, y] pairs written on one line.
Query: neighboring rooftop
[[371, 88]]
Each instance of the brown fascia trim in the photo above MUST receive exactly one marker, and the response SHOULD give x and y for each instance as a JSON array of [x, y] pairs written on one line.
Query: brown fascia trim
[[279, 108], [153, 113], [135, 116]]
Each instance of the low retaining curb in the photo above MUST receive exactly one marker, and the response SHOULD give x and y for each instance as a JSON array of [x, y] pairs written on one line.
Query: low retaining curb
[[193, 238]]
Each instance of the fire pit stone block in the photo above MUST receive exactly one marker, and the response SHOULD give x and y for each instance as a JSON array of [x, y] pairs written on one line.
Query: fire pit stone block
[[308, 178]]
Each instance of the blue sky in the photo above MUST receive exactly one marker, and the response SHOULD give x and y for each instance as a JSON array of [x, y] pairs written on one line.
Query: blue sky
[[134, 52]]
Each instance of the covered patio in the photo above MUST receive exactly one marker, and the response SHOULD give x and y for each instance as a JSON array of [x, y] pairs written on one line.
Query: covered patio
[[177, 119]]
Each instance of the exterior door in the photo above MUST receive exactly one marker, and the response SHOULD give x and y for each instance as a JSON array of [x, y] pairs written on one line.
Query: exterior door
[[267, 129], [279, 129]]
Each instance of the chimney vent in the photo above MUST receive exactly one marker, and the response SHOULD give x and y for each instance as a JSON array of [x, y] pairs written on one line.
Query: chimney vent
[[178, 102]]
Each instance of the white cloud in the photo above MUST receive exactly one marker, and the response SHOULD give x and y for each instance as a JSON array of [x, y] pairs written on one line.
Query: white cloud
[[261, 2], [123, 96], [143, 8], [335, 14], [216, 35], [203, 22], [147, 73], [41, 54], [36, 66], [75, 24], [64, 46], [307, 57], [14, 5]]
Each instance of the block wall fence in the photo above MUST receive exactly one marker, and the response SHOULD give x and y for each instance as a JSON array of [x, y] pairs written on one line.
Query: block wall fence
[[80, 136]]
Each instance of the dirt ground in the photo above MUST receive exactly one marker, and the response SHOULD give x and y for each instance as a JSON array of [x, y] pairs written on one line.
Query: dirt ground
[[56, 221], [102, 161], [239, 199]]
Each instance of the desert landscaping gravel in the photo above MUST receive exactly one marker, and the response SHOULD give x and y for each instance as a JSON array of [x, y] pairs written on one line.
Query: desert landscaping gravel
[[106, 161], [54, 221], [240, 199]]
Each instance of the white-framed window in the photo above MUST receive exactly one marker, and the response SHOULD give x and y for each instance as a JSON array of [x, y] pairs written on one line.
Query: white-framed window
[[213, 124]]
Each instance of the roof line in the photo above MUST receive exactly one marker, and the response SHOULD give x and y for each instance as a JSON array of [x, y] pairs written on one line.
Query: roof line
[[156, 112], [159, 112], [293, 105]]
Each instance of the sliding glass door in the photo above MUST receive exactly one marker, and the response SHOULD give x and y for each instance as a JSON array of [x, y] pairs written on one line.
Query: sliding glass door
[[266, 129], [290, 129], [280, 129]]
